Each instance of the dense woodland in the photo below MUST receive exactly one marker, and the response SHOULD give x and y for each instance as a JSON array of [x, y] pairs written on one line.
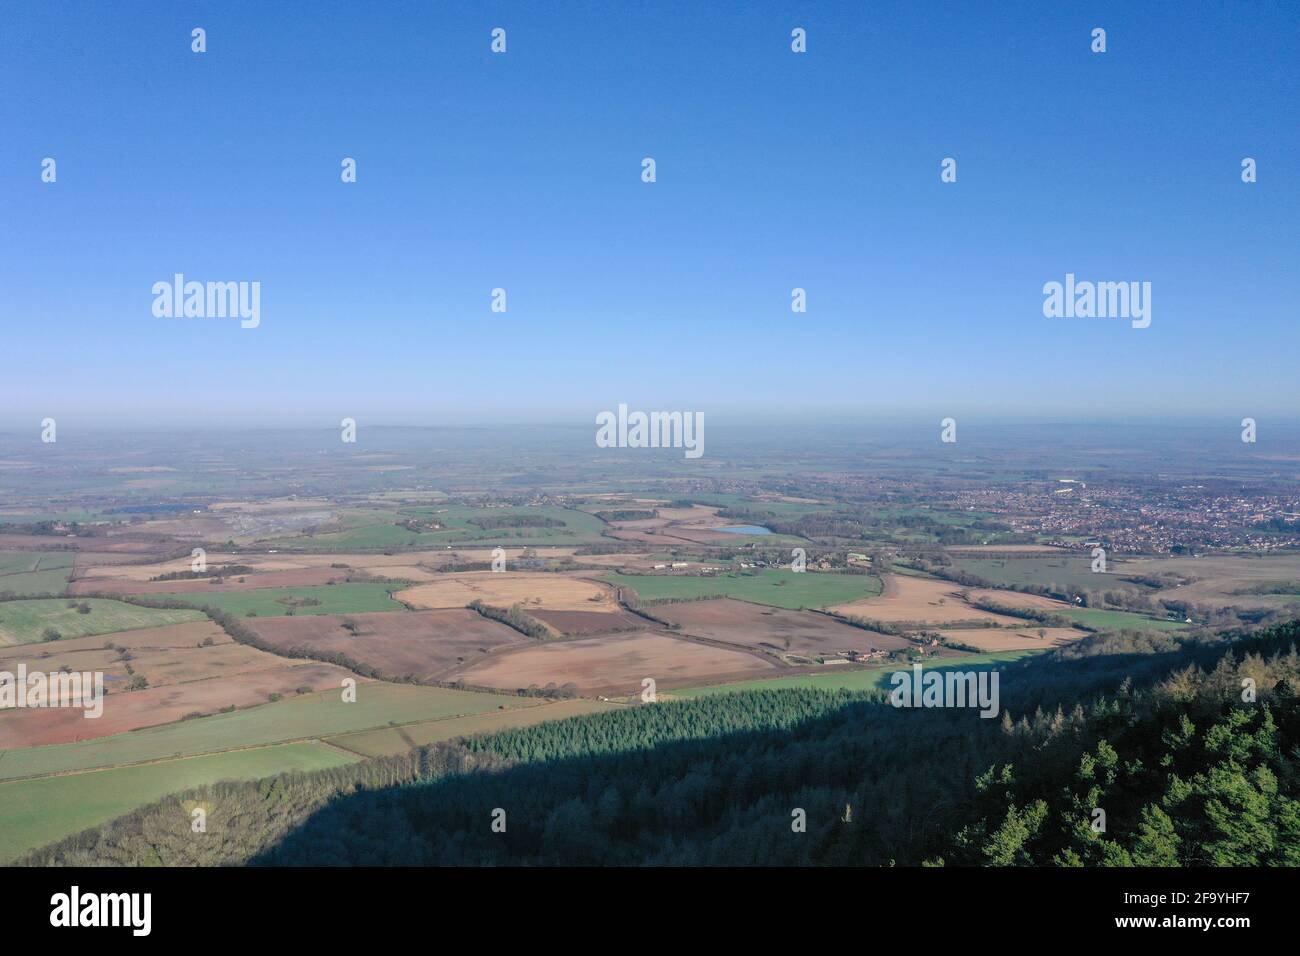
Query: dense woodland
[[1154, 730]]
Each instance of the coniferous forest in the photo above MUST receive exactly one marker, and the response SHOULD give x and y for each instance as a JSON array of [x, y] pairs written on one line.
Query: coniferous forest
[[1119, 750]]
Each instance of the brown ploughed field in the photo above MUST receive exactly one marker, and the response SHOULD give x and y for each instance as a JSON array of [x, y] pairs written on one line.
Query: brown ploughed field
[[422, 644], [616, 664]]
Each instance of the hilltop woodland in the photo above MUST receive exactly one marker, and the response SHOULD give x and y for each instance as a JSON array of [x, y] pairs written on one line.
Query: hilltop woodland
[[1155, 730]]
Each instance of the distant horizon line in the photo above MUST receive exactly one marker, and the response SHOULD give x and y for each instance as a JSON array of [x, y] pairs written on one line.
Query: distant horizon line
[[12, 429]]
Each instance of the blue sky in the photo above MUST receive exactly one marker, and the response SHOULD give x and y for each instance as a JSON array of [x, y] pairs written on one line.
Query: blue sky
[[522, 171]]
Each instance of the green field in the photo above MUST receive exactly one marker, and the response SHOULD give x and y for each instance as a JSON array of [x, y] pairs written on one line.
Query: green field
[[875, 678], [759, 541], [778, 588], [1072, 572], [18, 562], [23, 622], [24, 572], [398, 740], [81, 516], [36, 812], [296, 718], [1103, 620], [350, 598], [380, 530]]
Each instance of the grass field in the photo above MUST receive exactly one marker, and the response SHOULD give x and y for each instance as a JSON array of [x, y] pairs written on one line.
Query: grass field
[[296, 718], [19, 562], [766, 586], [458, 528], [398, 740], [35, 572], [1102, 620], [36, 812], [79, 515], [23, 622], [274, 602], [1067, 571], [875, 678]]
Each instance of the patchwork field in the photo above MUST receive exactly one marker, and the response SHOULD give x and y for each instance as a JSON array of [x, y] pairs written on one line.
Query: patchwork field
[[588, 622], [300, 577], [1012, 639], [1245, 581], [25, 572], [189, 634], [912, 599], [540, 590], [351, 598], [409, 565], [1034, 602], [23, 622], [777, 588], [1066, 571], [456, 525], [634, 560], [422, 644], [1105, 620], [875, 677], [614, 665], [307, 717], [388, 741], [188, 669], [40, 810], [799, 632]]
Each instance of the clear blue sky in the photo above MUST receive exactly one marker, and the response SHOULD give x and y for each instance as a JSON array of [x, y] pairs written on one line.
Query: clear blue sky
[[522, 171]]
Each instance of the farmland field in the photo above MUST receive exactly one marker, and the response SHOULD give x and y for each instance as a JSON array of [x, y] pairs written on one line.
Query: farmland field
[[164, 705], [1071, 571], [351, 598], [858, 678], [613, 665], [36, 812], [588, 622], [542, 590], [68, 650], [909, 598], [422, 644], [402, 565], [1016, 599], [773, 629], [23, 572], [1229, 580], [306, 717], [182, 680], [457, 526], [397, 740], [1011, 639], [300, 577], [765, 586], [23, 622], [1104, 620]]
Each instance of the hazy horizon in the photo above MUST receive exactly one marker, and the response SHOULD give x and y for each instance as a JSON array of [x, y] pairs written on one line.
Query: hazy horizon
[[925, 426]]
